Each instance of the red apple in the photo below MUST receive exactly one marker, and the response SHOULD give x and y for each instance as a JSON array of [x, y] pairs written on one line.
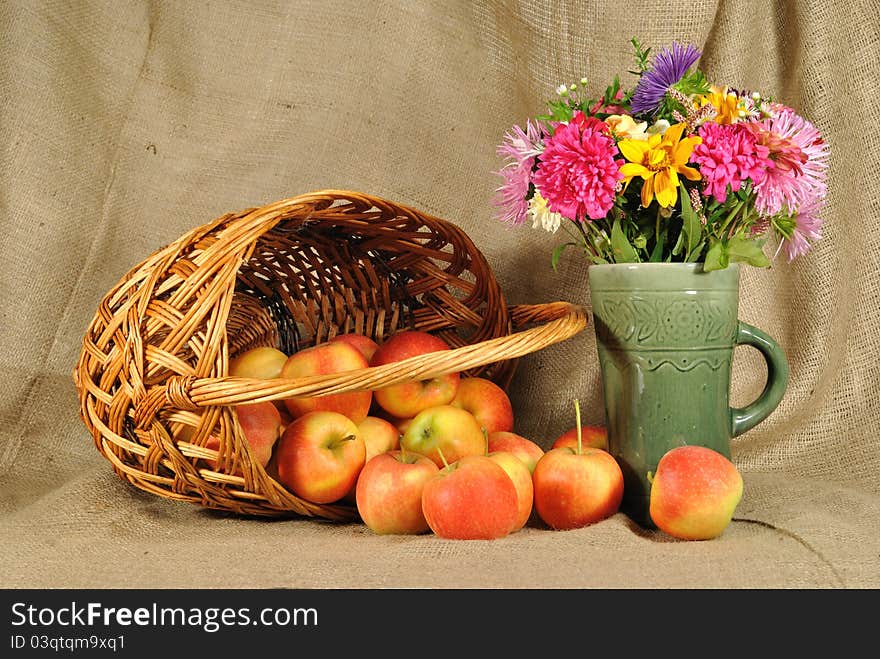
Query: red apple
[[263, 363], [470, 499], [261, 424], [522, 480], [361, 342], [407, 399], [325, 359], [574, 489], [487, 401], [445, 428], [694, 493], [591, 437], [577, 486], [320, 456], [389, 492], [525, 449], [380, 436]]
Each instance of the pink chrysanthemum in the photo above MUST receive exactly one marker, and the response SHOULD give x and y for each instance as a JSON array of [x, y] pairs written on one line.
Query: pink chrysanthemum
[[799, 159], [799, 231], [729, 155], [577, 173], [519, 148]]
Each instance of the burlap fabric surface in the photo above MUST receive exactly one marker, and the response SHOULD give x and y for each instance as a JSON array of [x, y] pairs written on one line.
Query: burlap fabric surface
[[125, 124]]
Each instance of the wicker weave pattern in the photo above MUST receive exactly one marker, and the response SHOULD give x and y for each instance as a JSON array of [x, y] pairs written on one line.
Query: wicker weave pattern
[[152, 375]]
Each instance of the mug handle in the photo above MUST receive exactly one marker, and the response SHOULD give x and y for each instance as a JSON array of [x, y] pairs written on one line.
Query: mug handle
[[746, 418]]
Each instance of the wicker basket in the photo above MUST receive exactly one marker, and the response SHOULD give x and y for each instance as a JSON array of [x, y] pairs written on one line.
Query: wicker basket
[[153, 373]]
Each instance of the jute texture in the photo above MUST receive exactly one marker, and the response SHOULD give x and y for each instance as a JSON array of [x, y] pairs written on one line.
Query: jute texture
[[126, 124]]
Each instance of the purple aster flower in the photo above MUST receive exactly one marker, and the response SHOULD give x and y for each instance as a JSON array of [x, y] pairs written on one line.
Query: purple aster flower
[[667, 68]]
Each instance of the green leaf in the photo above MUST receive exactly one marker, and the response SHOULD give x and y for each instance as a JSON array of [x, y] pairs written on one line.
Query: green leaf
[[560, 110], [717, 257], [694, 254], [679, 244], [657, 254], [748, 250], [593, 258], [557, 253], [691, 226], [693, 82], [620, 246]]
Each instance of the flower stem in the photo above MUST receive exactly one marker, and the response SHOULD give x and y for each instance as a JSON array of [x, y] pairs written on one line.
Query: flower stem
[[730, 217]]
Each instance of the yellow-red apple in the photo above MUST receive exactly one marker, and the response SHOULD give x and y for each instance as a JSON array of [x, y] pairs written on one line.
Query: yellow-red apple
[[694, 493], [591, 437], [263, 363], [574, 489], [406, 399], [261, 424], [389, 492], [320, 456], [363, 343], [325, 359], [522, 480], [380, 436], [525, 449], [447, 429], [470, 499], [488, 402]]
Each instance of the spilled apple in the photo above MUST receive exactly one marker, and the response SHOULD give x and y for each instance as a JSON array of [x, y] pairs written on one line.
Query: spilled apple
[[577, 486], [694, 493]]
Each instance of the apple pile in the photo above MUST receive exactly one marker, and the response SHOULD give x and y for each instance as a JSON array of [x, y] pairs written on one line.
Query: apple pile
[[440, 455]]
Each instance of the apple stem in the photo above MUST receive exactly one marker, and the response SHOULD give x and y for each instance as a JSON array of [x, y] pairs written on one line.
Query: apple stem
[[577, 416], [485, 439], [442, 457], [402, 451], [347, 438]]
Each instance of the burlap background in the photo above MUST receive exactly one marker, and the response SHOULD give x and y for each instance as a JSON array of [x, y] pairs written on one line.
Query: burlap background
[[124, 124]]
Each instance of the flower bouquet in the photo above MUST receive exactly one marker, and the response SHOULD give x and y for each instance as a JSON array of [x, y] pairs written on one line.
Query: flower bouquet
[[674, 169]]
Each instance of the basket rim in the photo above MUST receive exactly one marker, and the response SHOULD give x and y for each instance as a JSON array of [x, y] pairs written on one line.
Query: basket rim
[[562, 320]]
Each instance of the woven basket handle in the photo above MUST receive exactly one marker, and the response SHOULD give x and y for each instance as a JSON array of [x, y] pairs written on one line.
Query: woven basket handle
[[559, 321]]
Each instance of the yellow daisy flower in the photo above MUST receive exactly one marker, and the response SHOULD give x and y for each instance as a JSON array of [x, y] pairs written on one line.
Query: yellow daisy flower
[[659, 160], [727, 105]]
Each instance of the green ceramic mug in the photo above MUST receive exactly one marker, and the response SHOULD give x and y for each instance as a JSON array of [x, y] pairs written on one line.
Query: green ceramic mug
[[665, 336]]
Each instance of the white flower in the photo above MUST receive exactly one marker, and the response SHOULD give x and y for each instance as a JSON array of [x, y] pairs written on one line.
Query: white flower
[[542, 216], [562, 90], [659, 127]]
